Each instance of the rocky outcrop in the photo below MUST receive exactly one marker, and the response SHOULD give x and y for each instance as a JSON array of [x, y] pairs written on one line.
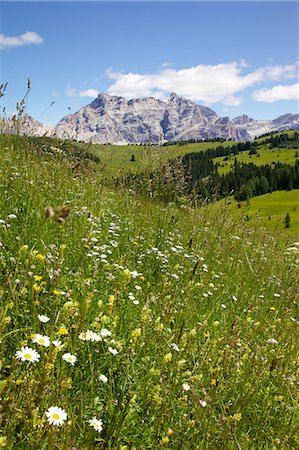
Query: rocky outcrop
[[112, 119], [149, 120]]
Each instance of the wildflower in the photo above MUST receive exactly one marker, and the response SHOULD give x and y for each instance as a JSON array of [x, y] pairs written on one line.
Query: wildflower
[[272, 341], [97, 424], [276, 295], [41, 340], [234, 298], [136, 333], [138, 288], [113, 351], [12, 216], [43, 319], [103, 378], [135, 274], [58, 344], [203, 403], [56, 292], [186, 386], [71, 359], [62, 331], [135, 302], [28, 354], [168, 357], [105, 333], [40, 257], [37, 277], [36, 288], [56, 416], [175, 347], [223, 306]]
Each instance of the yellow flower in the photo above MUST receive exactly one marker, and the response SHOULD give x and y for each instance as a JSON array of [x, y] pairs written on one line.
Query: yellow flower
[[24, 248], [213, 382], [168, 357], [141, 278], [56, 292], [19, 381], [236, 417], [36, 288], [40, 257], [127, 274], [62, 331], [136, 333], [37, 277]]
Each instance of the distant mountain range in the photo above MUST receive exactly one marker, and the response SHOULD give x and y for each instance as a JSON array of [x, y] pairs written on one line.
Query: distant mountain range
[[113, 119]]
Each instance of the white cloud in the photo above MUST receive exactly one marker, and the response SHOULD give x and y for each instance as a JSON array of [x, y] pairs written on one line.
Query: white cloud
[[28, 38], [287, 92], [85, 93], [205, 83]]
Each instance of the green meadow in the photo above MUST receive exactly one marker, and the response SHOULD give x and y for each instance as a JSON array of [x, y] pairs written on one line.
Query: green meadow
[[116, 158], [269, 209], [130, 324], [264, 156]]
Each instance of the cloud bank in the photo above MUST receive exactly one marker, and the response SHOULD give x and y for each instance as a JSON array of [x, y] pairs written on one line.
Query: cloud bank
[[276, 93], [202, 83], [85, 93], [28, 38]]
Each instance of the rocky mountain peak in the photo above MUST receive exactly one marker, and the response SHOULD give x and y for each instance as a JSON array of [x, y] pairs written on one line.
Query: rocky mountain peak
[[113, 119]]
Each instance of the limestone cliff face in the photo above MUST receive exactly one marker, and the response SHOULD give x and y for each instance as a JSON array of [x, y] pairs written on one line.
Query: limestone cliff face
[[116, 120], [112, 119]]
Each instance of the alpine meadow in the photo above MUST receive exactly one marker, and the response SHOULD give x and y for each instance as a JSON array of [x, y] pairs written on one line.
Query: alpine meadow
[[149, 240]]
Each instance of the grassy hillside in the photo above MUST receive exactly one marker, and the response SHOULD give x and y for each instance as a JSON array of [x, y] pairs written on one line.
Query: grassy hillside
[[115, 158], [168, 327], [264, 156], [269, 209]]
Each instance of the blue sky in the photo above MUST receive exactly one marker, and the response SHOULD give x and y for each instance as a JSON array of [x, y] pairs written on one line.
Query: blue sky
[[235, 57]]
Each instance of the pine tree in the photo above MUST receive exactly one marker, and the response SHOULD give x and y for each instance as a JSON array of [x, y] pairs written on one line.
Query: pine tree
[[287, 221]]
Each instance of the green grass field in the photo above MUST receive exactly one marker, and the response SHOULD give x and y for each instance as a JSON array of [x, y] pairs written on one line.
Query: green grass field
[[267, 156], [116, 158], [129, 324], [269, 209]]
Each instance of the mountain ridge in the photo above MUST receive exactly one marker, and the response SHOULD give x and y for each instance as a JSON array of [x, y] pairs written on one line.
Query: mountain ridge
[[113, 119]]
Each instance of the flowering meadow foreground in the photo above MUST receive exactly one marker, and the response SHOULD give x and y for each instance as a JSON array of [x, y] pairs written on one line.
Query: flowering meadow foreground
[[130, 324]]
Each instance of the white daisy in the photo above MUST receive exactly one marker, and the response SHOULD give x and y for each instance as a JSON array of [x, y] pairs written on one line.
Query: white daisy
[[58, 344], [186, 387], [113, 351], [27, 354], [43, 319], [95, 337], [68, 357], [105, 333], [56, 416], [41, 340], [103, 378], [97, 424], [175, 347]]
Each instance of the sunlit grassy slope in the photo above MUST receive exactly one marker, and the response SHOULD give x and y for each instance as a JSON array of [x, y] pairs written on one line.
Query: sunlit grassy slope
[[266, 156], [182, 323], [115, 158], [269, 209]]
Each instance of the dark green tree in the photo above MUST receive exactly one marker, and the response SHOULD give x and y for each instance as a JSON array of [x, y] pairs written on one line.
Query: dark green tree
[[287, 221]]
